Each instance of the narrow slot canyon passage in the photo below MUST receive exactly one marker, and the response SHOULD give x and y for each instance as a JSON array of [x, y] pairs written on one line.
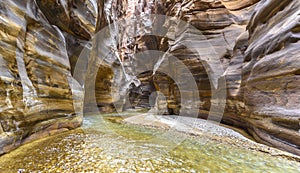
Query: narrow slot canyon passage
[[149, 86]]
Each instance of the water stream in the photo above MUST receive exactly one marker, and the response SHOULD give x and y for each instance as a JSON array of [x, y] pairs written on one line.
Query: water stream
[[126, 148]]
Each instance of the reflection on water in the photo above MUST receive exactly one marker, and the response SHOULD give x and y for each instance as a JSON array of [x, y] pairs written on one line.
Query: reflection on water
[[126, 148]]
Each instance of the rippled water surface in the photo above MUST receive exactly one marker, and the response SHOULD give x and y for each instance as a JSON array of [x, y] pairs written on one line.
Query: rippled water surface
[[126, 148]]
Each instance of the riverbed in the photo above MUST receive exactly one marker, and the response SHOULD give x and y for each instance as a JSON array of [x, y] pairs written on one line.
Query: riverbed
[[105, 144]]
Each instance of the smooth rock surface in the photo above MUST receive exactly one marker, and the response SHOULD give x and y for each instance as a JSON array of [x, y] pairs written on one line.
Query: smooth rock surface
[[268, 95], [36, 96]]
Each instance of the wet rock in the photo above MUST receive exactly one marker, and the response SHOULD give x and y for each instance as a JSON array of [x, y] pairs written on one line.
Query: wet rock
[[36, 97]]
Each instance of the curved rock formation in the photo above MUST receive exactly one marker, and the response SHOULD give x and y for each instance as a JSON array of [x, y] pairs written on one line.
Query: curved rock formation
[[36, 97], [252, 44], [268, 97], [260, 65], [217, 28]]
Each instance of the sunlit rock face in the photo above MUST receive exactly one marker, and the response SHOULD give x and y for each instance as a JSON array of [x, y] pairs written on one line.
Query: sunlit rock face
[[268, 57], [36, 97], [75, 18], [217, 28]]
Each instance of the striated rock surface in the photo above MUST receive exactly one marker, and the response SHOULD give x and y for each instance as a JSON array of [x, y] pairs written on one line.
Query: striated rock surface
[[238, 4], [259, 64], [35, 78], [250, 44], [268, 56], [213, 38], [72, 16]]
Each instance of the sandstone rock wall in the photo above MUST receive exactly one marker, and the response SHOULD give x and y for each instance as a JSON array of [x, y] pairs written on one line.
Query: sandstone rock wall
[[217, 29], [259, 60], [35, 75], [255, 47], [267, 99], [118, 58]]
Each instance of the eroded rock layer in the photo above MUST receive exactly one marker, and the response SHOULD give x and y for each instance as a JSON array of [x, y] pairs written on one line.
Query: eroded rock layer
[[268, 96], [260, 64], [36, 96]]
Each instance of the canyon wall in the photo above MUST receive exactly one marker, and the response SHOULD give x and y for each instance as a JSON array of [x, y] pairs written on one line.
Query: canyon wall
[[263, 76], [256, 44], [249, 49], [36, 82]]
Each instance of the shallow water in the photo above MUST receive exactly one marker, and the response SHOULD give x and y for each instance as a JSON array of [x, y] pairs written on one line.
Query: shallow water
[[127, 148]]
